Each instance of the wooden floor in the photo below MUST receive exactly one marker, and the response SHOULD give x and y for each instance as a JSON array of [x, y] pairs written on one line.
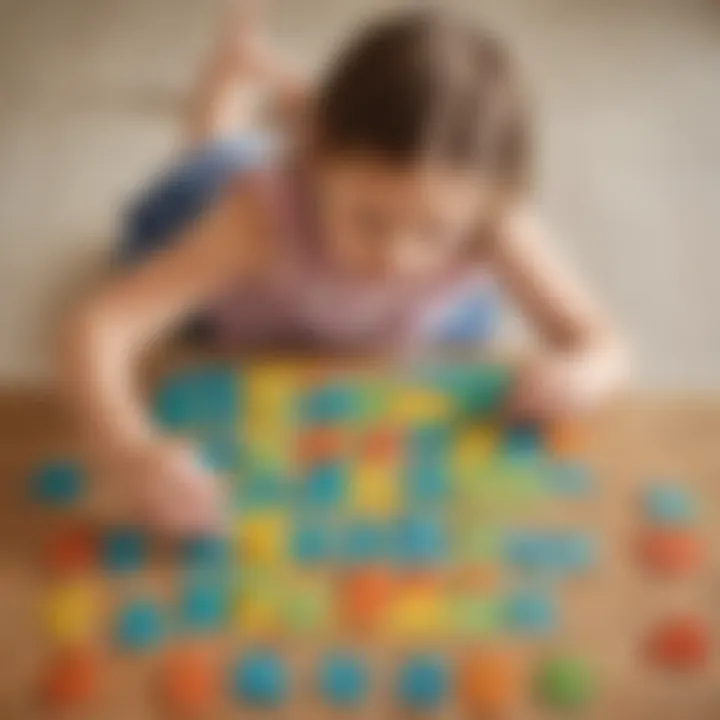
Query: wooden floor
[[605, 617]]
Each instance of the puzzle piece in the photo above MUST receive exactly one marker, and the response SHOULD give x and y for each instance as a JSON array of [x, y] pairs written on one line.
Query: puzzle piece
[[321, 444], [530, 612], [331, 403], [73, 549], [680, 643], [669, 505], [474, 615], [417, 612], [262, 538], [70, 612], [419, 540], [343, 679], [568, 478], [325, 485], [550, 551], [188, 682], [490, 682], [140, 626], [375, 491], [423, 682], [364, 541], [260, 679], [428, 443], [206, 552], [310, 607], [58, 483], [522, 441], [313, 542], [670, 551], [123, 549], [565, 683], [418, 405], [71, 679], [426, 484], [366, 595], [204, 604]]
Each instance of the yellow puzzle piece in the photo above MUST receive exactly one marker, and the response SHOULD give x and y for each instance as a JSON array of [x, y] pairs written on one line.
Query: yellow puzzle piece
[[417, 406], [375, 489], [70, 612], [417, 614], [262, 538]]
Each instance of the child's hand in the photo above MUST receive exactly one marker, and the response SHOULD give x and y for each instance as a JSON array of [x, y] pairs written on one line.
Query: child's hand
[[549, 388], [168, 488]]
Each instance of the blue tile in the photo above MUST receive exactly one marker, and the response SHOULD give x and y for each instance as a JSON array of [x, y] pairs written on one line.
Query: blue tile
[[568, 478], [312, 543], [423, 682], [59, 483], [426, 483], [343, 679], [123, 550], [139, 626], [669, 505], [364, 541], [530, 612], [325, 485], [204, 603], [260, 679], [331, 403], [419, 540]]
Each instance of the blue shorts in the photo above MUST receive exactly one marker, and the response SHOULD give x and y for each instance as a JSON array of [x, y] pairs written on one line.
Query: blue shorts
[[179, 195]]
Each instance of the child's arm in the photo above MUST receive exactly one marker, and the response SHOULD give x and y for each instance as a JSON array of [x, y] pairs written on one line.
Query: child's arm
[[109, 335], [584, 359]]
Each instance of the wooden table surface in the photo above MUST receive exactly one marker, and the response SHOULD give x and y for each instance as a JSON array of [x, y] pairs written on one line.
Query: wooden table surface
[[605, 617]]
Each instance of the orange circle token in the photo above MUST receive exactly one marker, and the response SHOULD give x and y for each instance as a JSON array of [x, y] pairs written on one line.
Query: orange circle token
[[670, 552], [188, 682], [71, 679], [72, 549], [682, 643], [490, 681]]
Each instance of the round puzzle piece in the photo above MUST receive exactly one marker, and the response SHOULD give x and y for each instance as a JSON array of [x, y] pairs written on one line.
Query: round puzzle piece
[[681, 643], [71, 612], [204, 605], [123, 550], [419, 540], [669, 505], [565, 683], [312, 543], [57, 483], [72, 549], [71, 679], [490, 682], [423, 682], [139, 626], [188, 682], [260, 679], [205, 552], [343, 679], [530, 612], [670, 551]]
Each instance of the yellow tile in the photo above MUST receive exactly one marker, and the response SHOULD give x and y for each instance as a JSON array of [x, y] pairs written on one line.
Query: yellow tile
[[417, 615], [416, 406], [256, 615], [376, 490], [70, 612], [262, 538], [473, 446]]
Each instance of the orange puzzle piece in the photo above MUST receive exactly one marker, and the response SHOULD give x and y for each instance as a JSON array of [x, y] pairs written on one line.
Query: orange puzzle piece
[[320, 444], [490, 681], [71, 679], [366, 596], [566, 439], [189, 682], [71, 549], [670, 552]]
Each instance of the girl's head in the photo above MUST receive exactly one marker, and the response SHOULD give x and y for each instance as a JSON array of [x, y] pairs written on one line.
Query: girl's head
[[420, 139]]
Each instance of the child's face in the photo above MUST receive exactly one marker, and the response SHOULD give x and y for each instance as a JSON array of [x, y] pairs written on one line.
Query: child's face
[[387, 222]]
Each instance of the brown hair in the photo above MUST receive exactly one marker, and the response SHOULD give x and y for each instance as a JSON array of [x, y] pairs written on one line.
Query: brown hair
[[427, 85]]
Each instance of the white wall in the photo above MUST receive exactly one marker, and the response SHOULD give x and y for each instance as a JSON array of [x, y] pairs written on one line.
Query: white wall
[[629, 110]]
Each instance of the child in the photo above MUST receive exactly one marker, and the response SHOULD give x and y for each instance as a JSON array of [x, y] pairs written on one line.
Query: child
[[383, 221]]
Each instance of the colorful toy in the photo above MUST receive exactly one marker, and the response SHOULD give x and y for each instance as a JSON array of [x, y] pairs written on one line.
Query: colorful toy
[[71, 679], [189, 682], [680, 643], [490, 682], [70, 612], [140, 626], [565, 683], [58, 483], [422, 682], [72, 549], [260, 679], [123, 549], [669, 505], [670, 551], [343, 679]]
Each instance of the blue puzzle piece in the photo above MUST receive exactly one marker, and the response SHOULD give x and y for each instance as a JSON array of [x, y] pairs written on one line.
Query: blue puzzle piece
[[550, 551], [123, 549], [312, 543], [530, 612], [220, 454], [206, 552], [260, 679], [364, 541], [331, 403], [669, 505], [522, 440], [568, 478], [426, 483], [262, 488], [423, 682], [343, 679], [204, 604], [428, 444], [139, 626], [325, 485], [58, 483], [419, 540]]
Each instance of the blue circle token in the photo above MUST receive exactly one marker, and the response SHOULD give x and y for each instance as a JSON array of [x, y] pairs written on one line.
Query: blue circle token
[[139, 626], [57, 483], [204, 605], [343, 679], [260, 678], [423, 682], [669, 505], [123, 550]]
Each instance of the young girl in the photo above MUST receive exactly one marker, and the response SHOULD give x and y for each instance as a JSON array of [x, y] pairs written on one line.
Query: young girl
[[383, 220]]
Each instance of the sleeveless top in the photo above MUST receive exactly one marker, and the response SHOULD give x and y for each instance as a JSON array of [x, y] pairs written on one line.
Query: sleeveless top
[[302, 303]]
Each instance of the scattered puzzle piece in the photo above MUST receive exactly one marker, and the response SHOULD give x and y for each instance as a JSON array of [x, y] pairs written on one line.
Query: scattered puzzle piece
[[321, 444], [419, 540], [566, 439], [71, 679], [139, 626], [530, 612], [366, 596], [569, 478], [188, 682], [343, 679], [680, 643], [374, 491], [327, 404], [669, 551], [206, 552], [310, 607], [260, 679], [669, 505], [473, 615], [364, 541], [123, 550], [565, 683], [490, 682], [203, 604], [313, 542], [417, 612], [58, 483], [522, 441], [325, 485], [262, 537], [550, 551], [71, 550], [423, 682], [71, 612]]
